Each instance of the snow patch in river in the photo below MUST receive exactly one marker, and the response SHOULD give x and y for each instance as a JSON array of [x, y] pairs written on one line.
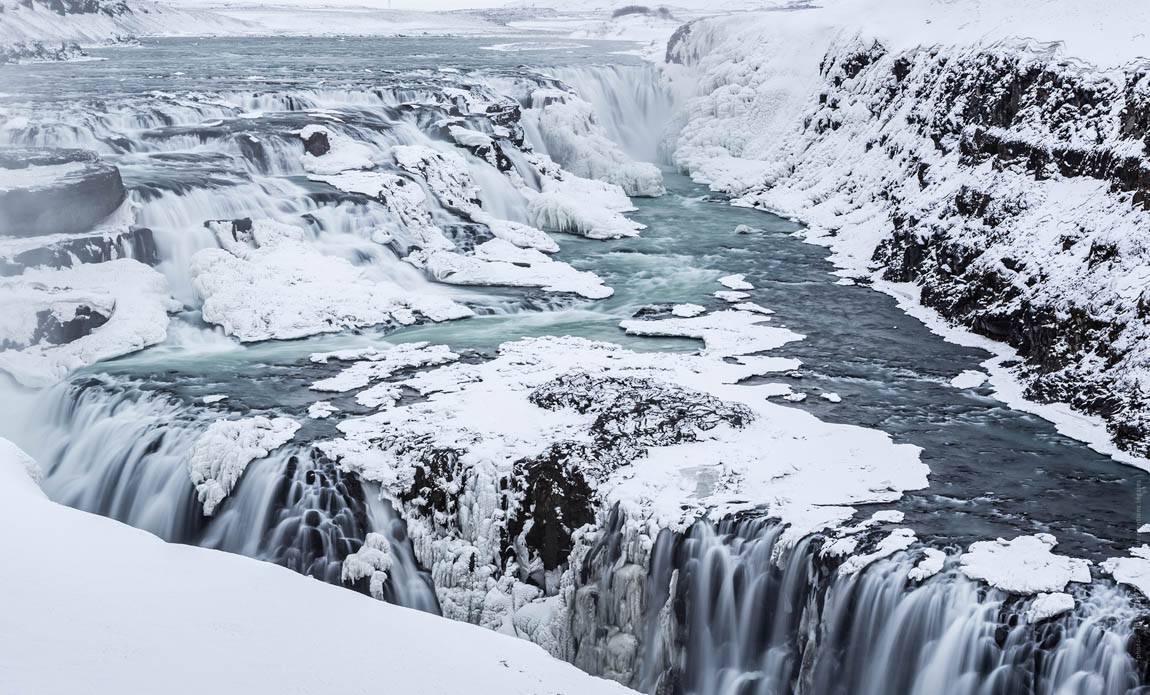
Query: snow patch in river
[[1023, 565]]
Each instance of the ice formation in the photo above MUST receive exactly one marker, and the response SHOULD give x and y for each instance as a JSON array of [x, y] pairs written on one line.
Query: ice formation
[[220, 455]]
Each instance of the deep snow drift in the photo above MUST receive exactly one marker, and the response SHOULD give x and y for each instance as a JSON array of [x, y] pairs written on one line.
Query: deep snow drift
[[1002, 176]]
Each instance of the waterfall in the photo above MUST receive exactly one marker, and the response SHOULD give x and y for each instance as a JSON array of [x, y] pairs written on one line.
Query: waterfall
[[119, 449], [749, 616], [724, 608], [199, 158], [633, 103]]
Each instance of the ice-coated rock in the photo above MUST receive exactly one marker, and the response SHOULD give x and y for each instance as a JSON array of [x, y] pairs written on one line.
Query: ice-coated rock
[[56, 191], [222, 453]]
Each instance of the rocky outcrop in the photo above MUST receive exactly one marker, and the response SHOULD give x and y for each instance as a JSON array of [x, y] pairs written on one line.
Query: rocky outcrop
[[55, 191], [1035, 120], [39, 52], [63, 252]]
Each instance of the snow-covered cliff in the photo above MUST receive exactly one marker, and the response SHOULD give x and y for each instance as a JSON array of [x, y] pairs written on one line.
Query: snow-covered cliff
[[999, 175]]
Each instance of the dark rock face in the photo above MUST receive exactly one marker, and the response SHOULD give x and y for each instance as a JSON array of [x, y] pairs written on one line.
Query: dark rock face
[[38, 52], [136, 243], [676, 44], [631, 415], [557, 500], [56, 191], [1018, 116], [56, 332], [1139, 646]]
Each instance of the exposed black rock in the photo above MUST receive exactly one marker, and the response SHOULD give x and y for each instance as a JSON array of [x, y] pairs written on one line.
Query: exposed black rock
[[136, 243], [557, 500], [1025, 114], [317, 144], [52, 329]]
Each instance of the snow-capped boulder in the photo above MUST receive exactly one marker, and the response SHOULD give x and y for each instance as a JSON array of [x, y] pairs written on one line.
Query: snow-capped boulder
[[57, 320], [1023, 565]]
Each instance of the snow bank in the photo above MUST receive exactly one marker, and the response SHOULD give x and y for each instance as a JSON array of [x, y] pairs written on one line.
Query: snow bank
[[1024, 565], [124, 631], [222, 453], [374, 365], [725, 333], [497, 262], [132, 298], [286, 17]]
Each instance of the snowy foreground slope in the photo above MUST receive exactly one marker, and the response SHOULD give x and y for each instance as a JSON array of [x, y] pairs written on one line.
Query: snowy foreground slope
[[131, 612], [994, 158]]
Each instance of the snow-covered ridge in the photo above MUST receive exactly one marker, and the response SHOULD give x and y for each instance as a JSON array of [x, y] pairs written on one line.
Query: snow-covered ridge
[[102, 22], [1004, 175]]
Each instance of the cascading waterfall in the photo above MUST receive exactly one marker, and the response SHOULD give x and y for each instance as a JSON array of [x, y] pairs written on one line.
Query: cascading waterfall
[[730, 609], [634, 104], [233, 156], [120, 450], [726, 609]]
